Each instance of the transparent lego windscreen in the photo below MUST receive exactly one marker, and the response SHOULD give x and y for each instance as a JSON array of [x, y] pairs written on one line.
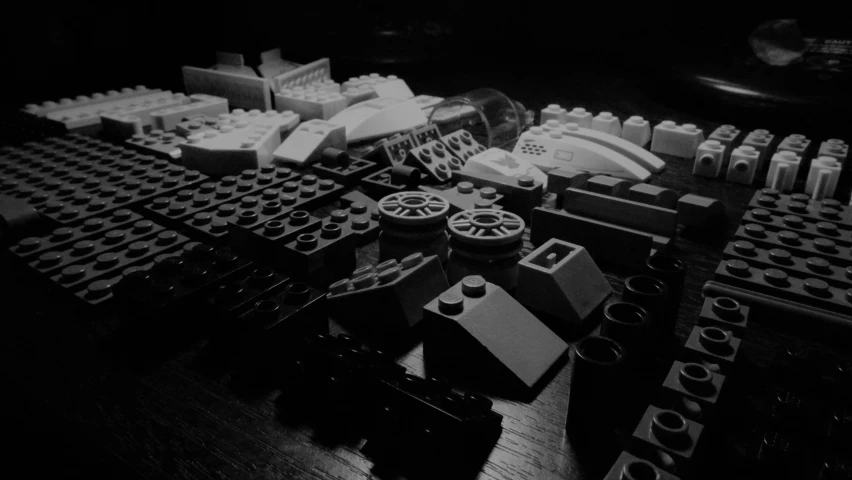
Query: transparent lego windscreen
[[491, 117]]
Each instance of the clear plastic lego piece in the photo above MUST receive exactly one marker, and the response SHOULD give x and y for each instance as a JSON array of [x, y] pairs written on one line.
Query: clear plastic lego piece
[[491, 117]]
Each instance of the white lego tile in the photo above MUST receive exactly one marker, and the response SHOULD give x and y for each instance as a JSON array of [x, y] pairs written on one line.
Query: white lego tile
[[231, 149]]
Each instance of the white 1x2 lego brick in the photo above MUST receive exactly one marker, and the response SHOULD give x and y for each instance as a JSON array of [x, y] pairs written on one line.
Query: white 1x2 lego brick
[[679, 141]]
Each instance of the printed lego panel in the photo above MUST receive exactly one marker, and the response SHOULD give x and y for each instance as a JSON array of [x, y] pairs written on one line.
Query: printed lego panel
[[800, 245], [680, 141], [306, 144], [789, 262]]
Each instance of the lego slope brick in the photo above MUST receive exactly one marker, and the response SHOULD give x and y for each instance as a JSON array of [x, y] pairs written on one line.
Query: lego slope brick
[[653, 195], [800, 288], [639, 155], [199, 104], [670, 432], [680, 141], [561, 280], [104, 100], [604, 242], [231, 149], [628, 466], [465, 197], [434, 160], [241, 91], [306, 144], [785, 260], [386, 302], [548, 150], [283, 122], [496, 161], [609, 186], [700, 212], [378, 118], [639, 216], [800, 204], [804, 247], [804, 227], [520, 194], [477, 329], [606, 122]]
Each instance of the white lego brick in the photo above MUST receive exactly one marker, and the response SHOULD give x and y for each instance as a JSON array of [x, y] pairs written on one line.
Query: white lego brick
[[709, 159], [306, 144], [427, 103], [242, 91], [606, 122], [794, 143], [379, 118], [579, 116], [88, 100], [636, 130], [680, 141], [642, 157], [554, 149], [230, 62], [272, 65], [144, 109], [283, 122], [200, 104], [834, 148], [319, 70], [743, 165], [121, 126], [358, 94], [553, 112], [231, 149], [761, 140], [829, 183], [725, 134], [393, 88], [500, 162], [792, 161], [310, 104], [86, 115]]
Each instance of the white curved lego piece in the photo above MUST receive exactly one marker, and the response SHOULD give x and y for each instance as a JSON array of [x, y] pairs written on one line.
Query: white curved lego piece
[[379, 118], [642, 157]]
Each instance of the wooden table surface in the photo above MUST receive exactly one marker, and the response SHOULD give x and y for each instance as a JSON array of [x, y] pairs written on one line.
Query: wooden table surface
[[81, 404]]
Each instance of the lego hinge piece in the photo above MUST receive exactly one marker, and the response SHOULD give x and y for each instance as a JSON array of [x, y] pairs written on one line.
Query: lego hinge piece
[[549, 150]]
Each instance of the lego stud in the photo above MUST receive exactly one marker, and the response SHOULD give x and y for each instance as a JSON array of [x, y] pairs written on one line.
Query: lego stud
[[737, 267], [670, 428], [331, 230], [298, 217], [411, 261], [818, 265], [817, 287], [780, 256], [715, 340], [338, 287], [473, 286], [789, 238], [638, 469], [828, 229], [776, 277], [696, 378], [450, 304], [73, 273], [526, 181], [388, 275], [727, 308], [306, 241], [626, 313]]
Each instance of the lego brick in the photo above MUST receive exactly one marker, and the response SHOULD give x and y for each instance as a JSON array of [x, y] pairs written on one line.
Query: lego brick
[[143, 110], [795, 143], [520, 194], [306, 144], [434, 160], [386, 301], [760, 140], [158, 143], [476, 323], [637, 154], [231, 149], [725, 313], [553, 112], [241, 91], [317, 70], [76, 276], [606, 122], [827, 182], [427, 133], [349, 175], [232, 63], [559, 179], [553, 150], [465, 197], [806, 228], [355, 95], [638, 216], [267, 239], [239, 293], [561, 280], [496, 161], [605, 242], [393, 151], [118, 125], [637, 131], [284, 122], [104, 100], [378, 118], [743, 165], [310, 104], [783, 183], [461, 145], [61, 237], [392, 179], [709, 159], [693, 390], [727, 135], [680, 141], [579, 116], [772, 281], [675, 435], [801, 204], [630, 467], [653, 195], [101, 292], [88, 115], [196, 124], [610, 186], [784, 260], [53, 261], [700, 212], [834, 148], [200, 104], [327, 255], [802, 246], [365, 222], [272, 65]]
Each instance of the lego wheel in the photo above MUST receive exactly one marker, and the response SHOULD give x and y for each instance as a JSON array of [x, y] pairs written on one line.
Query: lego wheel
[[413, 208], [484, 226]]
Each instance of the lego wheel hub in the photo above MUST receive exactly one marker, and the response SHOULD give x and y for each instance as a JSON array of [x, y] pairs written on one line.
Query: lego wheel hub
[[413, 208], [486, 227]]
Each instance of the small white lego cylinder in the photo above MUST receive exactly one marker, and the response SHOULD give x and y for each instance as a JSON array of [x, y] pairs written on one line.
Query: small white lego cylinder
[[823, 177], [780, 177]]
